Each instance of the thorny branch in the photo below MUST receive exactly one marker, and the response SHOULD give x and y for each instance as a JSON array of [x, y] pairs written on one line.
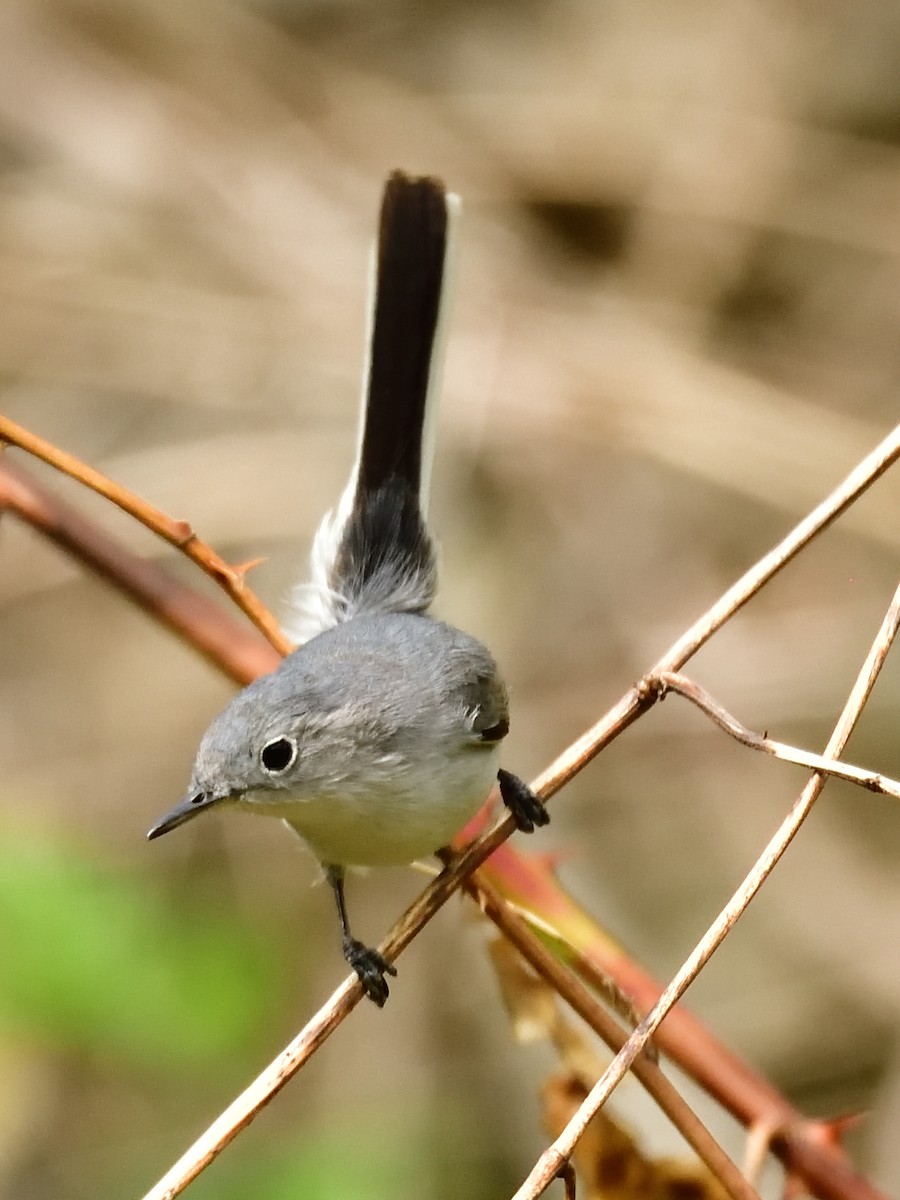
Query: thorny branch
[[595, 1015], [177, 533], [635, 701], [526, 882], [799, 1149], [227, 642], [839, 1179]]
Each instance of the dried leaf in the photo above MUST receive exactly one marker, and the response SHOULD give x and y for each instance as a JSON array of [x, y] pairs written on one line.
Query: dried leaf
[[531, 1004], [536, 1013], [610, 1162]]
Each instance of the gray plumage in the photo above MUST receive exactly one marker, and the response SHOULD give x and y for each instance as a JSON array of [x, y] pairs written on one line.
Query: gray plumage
[[388, 714], [379, 738]]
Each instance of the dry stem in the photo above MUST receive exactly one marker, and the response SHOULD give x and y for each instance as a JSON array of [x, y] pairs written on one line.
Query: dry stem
[[201, 622], [547, 1167], [635, 701], [579, 998], [176, 533], [870, 780]]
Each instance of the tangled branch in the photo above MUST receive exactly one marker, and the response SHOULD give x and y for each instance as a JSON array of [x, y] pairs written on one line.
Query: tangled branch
[[823, 1167]]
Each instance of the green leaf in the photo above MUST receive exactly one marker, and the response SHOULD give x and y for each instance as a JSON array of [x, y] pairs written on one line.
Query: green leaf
[[369, 1158], [99, 961]]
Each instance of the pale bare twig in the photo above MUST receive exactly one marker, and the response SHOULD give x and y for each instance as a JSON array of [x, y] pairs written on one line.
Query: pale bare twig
[[60, 523], [547, 1167], [621, 1003], [870, 780], [342, 1001], [595, 958], [515, 929], [635, 701], [176, 533]]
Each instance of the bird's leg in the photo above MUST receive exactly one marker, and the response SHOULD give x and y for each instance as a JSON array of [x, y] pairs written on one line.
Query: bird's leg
[[525, 805], [369, 965]]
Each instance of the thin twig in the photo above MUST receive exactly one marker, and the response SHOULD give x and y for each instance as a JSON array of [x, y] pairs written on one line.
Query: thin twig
[[526, 878], [176, 533], [635, 701], [515, 929], [870, 780], [846, 493], [566, 952], [242, 1110], [749, 1097], [341, 1003], [227, 642], [840, 1179]]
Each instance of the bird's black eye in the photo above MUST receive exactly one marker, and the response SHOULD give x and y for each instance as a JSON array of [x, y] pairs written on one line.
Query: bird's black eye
[[276, 756]]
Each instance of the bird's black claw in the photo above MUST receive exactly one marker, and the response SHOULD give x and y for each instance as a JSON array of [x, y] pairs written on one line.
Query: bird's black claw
[[371, 967], [526, 807]]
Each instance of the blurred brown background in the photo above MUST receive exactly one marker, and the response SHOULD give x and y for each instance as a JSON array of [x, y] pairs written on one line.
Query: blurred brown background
[[676, 329]]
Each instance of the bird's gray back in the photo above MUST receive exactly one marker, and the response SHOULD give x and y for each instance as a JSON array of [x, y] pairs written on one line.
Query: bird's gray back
[[401, 669]]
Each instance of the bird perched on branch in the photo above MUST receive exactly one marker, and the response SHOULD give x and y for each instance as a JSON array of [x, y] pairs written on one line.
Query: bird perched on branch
[[380, 736]]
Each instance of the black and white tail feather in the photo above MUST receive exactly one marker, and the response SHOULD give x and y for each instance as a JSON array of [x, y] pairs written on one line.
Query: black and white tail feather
[[373, 553], [387, 771]]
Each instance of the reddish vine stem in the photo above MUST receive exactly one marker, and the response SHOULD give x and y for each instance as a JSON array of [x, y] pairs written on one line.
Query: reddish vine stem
[[837, 1179], [804, 1153], [634, 702], [515, 929], [176, 532], [221, 638]]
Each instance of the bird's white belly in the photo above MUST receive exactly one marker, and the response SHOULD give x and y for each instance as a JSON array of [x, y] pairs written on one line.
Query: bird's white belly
[[402, 816]]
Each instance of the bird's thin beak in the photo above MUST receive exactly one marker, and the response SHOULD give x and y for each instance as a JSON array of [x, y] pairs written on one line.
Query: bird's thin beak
[[188, 808]]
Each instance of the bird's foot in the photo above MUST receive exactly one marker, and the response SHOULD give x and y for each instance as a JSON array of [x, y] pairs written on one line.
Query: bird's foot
[[371, 967], [525, 805]]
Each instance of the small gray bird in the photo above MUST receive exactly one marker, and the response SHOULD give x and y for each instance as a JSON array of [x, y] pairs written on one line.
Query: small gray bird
[[380, 736]]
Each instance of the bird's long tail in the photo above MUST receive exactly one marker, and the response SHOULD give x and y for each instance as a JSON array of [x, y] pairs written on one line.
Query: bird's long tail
[[374, 553]]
